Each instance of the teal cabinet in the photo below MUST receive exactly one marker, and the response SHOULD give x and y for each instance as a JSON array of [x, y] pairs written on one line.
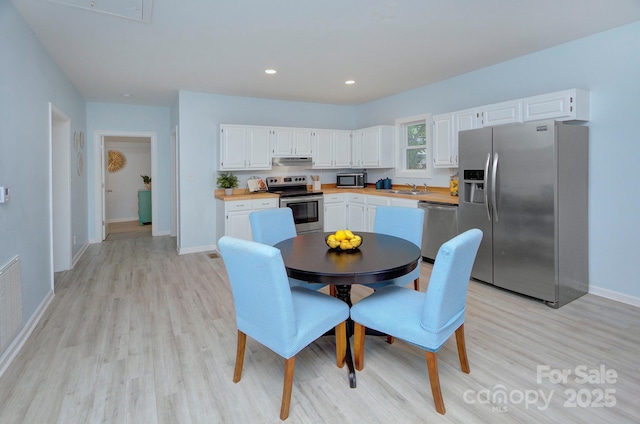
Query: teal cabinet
[[144, 206]]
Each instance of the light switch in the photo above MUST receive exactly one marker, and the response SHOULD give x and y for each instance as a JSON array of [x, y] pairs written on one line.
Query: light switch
[[4, 194]]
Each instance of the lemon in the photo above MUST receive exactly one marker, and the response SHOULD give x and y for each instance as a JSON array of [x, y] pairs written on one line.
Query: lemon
[[331, 237], [340, 235], [333, 243], [355, 242], [348, 234], [345, 245]]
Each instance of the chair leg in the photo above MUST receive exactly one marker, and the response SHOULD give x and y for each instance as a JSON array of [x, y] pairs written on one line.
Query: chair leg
[[390, 339], [341, 343], [242, 342], [358, 345], [332, 290], [289, 366], [432, 366], [462, 349], [416, 284]]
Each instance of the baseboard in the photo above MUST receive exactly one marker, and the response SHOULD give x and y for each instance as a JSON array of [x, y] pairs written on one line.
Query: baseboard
[[613, 295], [160, 233], [78, 255], [112, 221], [14, 348], [197, 249]]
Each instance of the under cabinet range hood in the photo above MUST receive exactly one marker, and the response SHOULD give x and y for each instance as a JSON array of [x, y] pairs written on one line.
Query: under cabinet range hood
[[291, 161]]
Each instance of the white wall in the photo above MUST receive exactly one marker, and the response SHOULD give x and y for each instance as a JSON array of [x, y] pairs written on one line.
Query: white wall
[[606, 64], [29, 80], [123, 185]]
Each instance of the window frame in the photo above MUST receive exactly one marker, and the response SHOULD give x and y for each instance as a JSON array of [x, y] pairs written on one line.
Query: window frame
[[401, 147]]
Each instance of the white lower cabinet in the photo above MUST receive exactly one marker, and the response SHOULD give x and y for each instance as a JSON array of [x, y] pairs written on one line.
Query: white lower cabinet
[[235, 215], [357, 213], [405, 203], [335, 212], [372, 203]]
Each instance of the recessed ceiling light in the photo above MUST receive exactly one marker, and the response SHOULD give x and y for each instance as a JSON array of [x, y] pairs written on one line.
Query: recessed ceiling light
[[270, 71], [350, 82], [127, 95]]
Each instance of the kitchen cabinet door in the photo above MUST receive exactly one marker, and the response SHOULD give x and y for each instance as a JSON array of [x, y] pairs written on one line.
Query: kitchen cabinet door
[[244, 147], [563, 106], [335, 212], [302, 142], [281, 142], [331, 149], [342, 149], [377, 147], [322, 148], [233, 146], [356, 211], [258, 153], [443, 141], [502, 113]]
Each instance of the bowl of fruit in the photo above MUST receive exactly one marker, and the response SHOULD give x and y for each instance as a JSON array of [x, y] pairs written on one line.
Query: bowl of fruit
[[343, 240]]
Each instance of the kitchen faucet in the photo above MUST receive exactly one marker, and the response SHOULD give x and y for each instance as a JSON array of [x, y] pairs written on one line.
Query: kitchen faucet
[[413, 186], [425, 187]]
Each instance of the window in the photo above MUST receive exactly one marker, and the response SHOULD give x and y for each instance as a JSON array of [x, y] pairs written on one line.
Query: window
[[414, 144]]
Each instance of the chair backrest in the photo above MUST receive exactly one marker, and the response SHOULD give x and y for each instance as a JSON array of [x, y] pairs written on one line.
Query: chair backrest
[[271, 226], [446, 296], [397, 221], [261, 294]]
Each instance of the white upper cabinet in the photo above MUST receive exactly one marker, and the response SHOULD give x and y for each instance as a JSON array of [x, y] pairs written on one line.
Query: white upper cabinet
[[502, 113], [290, 142], [331, 148], [373, 147], [443, 141], [562, 106], [244, 147]]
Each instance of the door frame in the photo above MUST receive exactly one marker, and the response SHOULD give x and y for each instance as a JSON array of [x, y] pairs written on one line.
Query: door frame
[[60, 230], [98, 176], [175, 184]]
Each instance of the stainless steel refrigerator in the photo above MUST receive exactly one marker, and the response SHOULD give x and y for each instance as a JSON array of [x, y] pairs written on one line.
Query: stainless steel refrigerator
[[525, 186]]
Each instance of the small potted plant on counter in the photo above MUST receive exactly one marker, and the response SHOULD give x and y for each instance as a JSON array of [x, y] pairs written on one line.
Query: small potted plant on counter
[[228, 182], [147, 181]]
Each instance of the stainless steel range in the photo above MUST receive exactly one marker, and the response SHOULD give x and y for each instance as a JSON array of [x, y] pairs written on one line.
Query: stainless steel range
[[307, 206]]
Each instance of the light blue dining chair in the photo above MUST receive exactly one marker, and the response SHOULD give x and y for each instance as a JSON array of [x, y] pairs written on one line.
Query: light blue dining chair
[[405, 223], [428, 319], [271, 226], [284, 319]]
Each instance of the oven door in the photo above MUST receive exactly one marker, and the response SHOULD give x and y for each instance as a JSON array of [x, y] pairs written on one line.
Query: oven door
[[308, 212]]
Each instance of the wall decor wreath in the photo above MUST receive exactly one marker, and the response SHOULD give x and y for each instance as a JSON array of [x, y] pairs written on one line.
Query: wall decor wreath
[[115, 161]]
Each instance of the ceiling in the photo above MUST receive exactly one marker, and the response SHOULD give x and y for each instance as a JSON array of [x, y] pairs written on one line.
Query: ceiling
[[224, 46]]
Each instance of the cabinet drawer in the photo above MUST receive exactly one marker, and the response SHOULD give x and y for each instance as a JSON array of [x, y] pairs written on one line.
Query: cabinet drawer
[[335, 198], [238, 205], [377, 200], [265, 203], [356, 198]]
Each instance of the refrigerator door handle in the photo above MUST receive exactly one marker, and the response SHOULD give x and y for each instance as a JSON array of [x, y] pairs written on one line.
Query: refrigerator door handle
[[494, 196], [486, 187]]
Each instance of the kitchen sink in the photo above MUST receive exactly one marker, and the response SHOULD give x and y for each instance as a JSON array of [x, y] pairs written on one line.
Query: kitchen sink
[[409, 192]]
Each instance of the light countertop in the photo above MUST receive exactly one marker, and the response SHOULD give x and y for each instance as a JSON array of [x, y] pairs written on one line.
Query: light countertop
[[435, 194]]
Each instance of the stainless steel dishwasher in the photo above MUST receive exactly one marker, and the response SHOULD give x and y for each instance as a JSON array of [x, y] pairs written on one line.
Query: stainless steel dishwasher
[[440, 225]]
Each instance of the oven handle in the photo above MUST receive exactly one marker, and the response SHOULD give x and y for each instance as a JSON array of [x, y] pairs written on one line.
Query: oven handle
[[300, 198]]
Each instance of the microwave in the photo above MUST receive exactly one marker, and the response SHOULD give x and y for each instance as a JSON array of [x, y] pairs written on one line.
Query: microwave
[[351, 180]]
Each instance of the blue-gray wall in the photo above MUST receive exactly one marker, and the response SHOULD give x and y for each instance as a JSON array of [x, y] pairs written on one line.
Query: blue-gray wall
[[29, 80]]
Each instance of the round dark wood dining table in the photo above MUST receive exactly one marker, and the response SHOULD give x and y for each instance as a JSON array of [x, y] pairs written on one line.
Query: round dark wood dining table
[[380, 257]]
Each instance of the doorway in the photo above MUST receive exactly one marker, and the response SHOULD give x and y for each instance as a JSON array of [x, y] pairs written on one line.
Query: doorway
[[101, 170], [60, 190], [127, 199]]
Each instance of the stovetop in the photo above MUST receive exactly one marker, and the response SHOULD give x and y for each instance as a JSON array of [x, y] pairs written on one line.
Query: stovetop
[[290, 186]]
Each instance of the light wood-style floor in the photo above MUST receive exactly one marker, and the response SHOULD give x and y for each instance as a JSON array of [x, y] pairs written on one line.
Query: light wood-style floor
[[138, 334]]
